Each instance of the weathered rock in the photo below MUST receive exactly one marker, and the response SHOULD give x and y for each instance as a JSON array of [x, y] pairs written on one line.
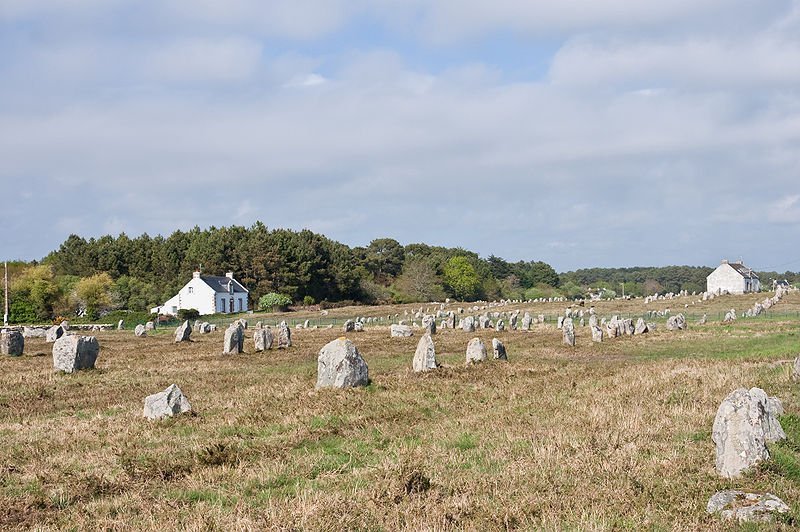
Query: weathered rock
[[483, 322], [306, 324], [429, 324], [121, 325], [796, 369], [400, 331], [476, 351], [597, 334], [560, 323], [746, 507], [340, 365], [425, 355], [592, 319], [468, 324], [349, 326], [233, 341], [183, 333], [641, 327], [703, 320], [772, 408], [54, 333], [34, 332], [500, 326], [526, 322], [358, 327], [568, 332], [627, 327], [262, 339], [140, 331], [676, 323], [499, 350], [150, 326], [73, 353], [739, 433], [65, 325], [205, 327], [284, 336], [12, 343], [168, 403]]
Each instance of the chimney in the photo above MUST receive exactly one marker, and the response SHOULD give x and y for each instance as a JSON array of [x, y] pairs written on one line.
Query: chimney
[[196, 274], [724, 261], [229, 275]]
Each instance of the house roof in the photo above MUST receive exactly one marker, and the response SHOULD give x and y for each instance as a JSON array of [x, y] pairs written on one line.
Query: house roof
[[743, 270], [220, 284]]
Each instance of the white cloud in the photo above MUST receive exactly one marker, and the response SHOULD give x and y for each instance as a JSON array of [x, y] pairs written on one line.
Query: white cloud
[[192, 60], [785, 210]]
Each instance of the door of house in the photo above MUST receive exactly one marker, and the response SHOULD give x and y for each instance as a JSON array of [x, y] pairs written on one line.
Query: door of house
[[231, 305]]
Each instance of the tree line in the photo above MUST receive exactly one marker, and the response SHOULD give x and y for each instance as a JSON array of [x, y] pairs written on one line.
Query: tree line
[[96, 275]]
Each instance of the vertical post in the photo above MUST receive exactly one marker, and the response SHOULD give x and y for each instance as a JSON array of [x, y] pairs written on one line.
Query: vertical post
[[5, 307]]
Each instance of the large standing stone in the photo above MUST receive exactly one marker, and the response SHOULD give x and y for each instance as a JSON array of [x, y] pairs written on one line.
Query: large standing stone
[[54, 333], [140, 331], [233, 340], [627, 327], [262, 339], [12, 343], [597, 334], [499, 350], [568, 332], [400, 331], [468, 324], [739, 432], [339, 365], [641, 327], [425, 355], [72, 353], [284, 336], [168, 403], [746, 507], [512, 321], [476, 351], [526, 322], [676, 323], [183, 332]]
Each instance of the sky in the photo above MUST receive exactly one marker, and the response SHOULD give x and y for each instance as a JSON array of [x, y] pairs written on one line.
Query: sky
[[584, 133]]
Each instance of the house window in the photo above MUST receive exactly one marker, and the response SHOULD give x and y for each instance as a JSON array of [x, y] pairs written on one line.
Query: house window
[[240, 304], [191, 290]]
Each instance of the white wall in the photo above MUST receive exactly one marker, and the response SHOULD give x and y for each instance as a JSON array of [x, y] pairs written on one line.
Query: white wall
[[198, 295], [725, 278]]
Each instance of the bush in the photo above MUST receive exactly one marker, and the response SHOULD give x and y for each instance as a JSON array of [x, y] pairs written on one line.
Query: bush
[[308, 301], [190, 314], [21, 312], [274, 302]]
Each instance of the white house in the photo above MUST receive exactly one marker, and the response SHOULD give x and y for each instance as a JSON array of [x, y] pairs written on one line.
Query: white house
[[208, 294], [734, 278]]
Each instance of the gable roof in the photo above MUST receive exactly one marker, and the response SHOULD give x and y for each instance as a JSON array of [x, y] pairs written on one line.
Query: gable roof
[[743, 270], [220, 284]]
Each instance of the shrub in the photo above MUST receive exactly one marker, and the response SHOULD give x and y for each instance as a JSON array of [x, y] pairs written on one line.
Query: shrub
[[308, 301], [188, 314], [274, 302], [21, 312]]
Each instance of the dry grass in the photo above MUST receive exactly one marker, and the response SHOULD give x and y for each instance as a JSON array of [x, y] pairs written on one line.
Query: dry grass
[[611, 436]]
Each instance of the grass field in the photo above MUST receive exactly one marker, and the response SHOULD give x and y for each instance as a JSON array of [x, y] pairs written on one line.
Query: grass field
[[599, 437]]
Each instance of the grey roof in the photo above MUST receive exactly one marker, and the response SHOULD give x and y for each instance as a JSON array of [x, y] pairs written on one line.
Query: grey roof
[[220, 284], [743, 270]]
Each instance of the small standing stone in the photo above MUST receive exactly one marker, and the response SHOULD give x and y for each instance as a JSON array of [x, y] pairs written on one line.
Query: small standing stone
[[284, 336], [233, 340], [349, 326], [400, 331], [140, 331], [183, 332], [150, 326], [425, 355], [468, 324], [796, 369], [262, 339], [499, 350], [340, 365], [168, 403], [120, 325], [746, 507], [568, 331], [476, 351], [641, 327], [12, 343], [500, 326], [72, 353], [597, 334]]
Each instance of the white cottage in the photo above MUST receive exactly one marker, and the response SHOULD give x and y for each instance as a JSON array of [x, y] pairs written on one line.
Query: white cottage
[[208, 294], [734, 278]]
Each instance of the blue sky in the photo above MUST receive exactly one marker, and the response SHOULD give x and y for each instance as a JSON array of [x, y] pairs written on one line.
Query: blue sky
[[582, 133]]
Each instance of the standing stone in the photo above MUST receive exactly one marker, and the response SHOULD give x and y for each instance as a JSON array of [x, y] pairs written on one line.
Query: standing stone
[[468, 324], [641, 327], [499, 350], [597, 334], [205, 328], [120, 325], [168, 403], [568, 332], [425, 355], [526, 322], [744, 507], [772, 408], [500, 326], [739, 433], [796, 370], [306, 324], [183, 332], [150, 326], [358, 326], [349, 326], [541, 318], [512, 321], [476, 351], [65, 325], [284, 336], [262, 338], [72, 353], [54, 333], [232, 342], [429, 324], [582, 322], [676, 323], [560, 324], [483, 322], [592, 319], [140, 331], [12, 343], [340, 365]]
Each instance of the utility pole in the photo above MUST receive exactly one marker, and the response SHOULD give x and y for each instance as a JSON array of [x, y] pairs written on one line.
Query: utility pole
[[623, 290], [5, 313]]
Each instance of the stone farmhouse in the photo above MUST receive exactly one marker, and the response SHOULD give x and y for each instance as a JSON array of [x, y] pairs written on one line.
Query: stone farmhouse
[[734, 278], [208, 294]]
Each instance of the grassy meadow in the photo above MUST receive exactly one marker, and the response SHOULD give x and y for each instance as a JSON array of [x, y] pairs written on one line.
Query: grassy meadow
[[598, 437]]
